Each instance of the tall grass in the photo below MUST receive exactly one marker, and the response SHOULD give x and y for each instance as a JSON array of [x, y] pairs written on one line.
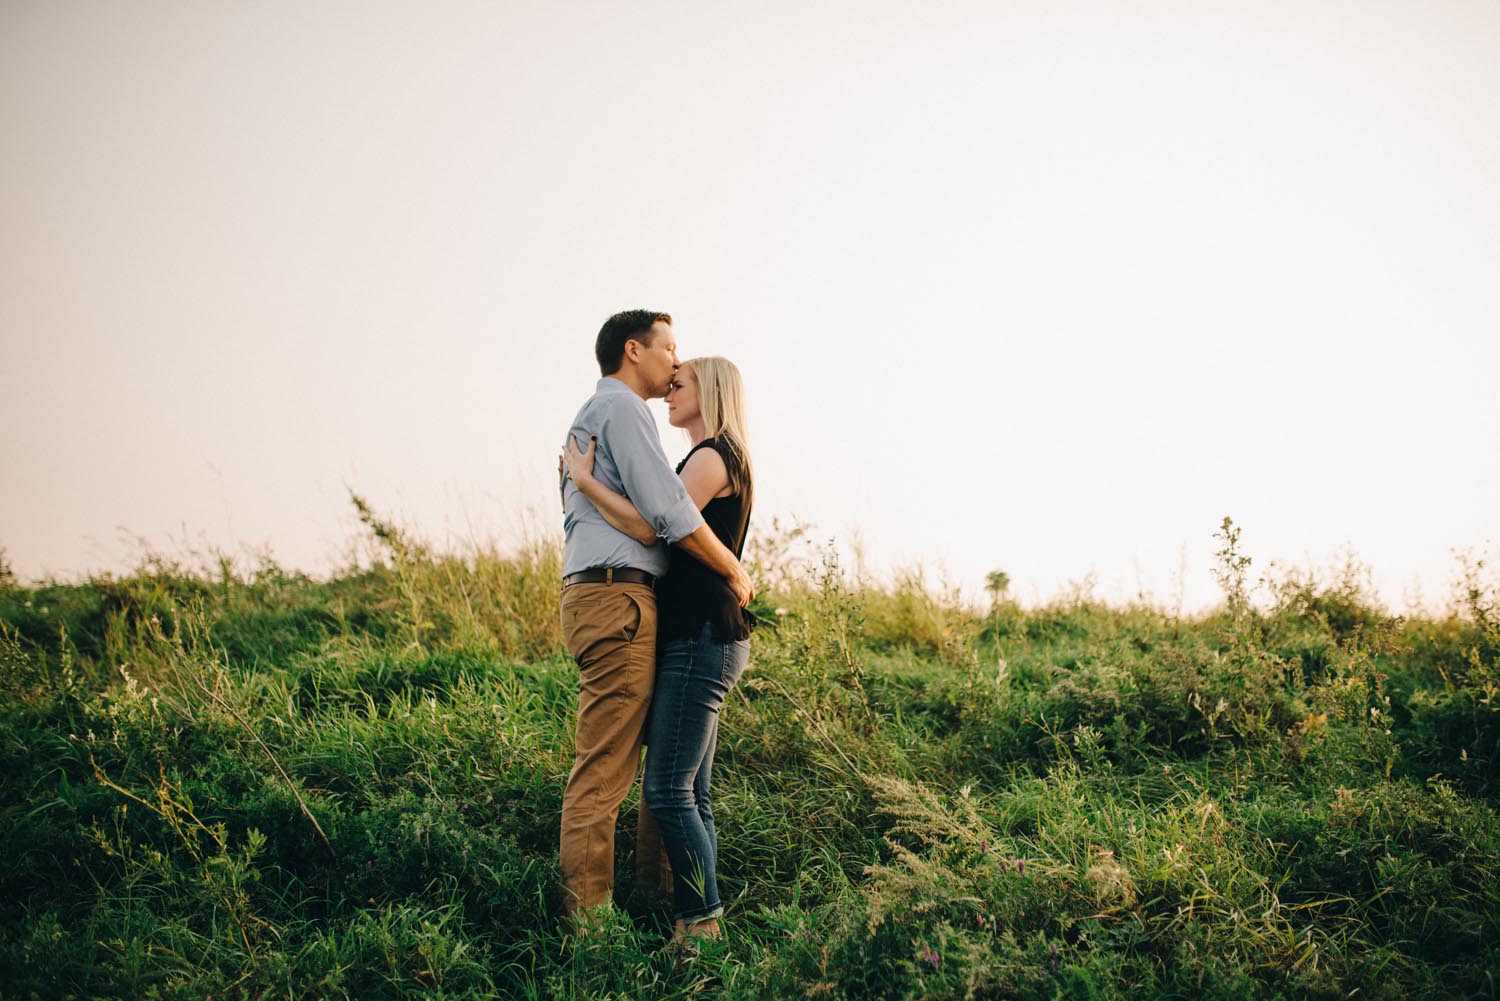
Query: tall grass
[[248, 783]]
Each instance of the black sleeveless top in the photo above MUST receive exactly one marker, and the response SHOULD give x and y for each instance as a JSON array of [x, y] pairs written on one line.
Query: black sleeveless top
[[692, 594]]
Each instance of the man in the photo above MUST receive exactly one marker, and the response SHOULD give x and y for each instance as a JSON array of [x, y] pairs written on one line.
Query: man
[[608, 605]]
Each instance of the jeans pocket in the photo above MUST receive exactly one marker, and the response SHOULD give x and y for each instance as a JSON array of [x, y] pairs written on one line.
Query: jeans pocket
[[736, 656]]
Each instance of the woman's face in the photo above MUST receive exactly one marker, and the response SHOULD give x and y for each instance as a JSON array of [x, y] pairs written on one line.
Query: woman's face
[[682, 398]]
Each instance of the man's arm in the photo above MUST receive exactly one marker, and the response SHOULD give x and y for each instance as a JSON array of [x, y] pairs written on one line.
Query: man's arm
[[630, 436], [705, 546], [661, 498]]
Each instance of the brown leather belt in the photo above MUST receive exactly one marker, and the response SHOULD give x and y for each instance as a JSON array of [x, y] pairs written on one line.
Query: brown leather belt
[[610, 575]]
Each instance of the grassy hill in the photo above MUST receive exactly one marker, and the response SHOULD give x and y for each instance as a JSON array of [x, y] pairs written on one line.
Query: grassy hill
[[247, 783]]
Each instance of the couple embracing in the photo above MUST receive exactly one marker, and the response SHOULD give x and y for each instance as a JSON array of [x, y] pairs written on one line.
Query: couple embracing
[[653, 610]]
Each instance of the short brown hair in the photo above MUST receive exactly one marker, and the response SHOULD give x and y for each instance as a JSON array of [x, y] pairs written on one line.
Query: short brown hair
[[631, 325]]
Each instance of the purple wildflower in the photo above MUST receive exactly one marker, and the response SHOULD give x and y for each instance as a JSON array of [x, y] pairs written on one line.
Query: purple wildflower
[[930, 954], [1021, 866], [1004, 865], [984, 847], [369, 864]]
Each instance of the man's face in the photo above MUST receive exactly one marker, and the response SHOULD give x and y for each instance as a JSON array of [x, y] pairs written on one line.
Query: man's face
[[657, 362]]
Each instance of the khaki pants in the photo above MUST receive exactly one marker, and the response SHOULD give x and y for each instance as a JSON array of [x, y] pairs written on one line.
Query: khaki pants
[[610, 630]]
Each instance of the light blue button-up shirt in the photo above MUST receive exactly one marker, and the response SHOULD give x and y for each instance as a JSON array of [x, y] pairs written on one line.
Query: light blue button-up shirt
[[628, 460]]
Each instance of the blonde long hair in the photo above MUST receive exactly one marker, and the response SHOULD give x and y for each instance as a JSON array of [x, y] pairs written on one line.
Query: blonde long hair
[[721, 402]]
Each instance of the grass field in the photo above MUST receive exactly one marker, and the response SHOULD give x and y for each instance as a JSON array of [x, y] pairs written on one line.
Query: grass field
[[239, 782]]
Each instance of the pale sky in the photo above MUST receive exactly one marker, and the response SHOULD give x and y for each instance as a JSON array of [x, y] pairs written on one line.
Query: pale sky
[[1047, 287]]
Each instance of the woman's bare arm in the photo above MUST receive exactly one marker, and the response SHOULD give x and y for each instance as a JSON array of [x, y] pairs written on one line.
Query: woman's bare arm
[[705, 476], [616, 508]]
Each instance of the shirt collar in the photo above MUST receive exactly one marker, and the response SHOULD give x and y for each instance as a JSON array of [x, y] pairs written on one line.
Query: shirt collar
[[609, 384]]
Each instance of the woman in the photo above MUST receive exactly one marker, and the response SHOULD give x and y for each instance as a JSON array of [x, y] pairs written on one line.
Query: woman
[[702, 639]]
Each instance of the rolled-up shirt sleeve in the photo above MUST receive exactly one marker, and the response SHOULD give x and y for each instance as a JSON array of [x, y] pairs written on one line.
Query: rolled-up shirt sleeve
[[655, 490]]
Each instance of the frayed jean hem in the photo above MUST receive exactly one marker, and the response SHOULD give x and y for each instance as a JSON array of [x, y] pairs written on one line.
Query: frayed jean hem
[[693, 917]]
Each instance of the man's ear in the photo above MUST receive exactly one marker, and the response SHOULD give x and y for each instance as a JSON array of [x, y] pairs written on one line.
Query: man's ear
[[633, 350]]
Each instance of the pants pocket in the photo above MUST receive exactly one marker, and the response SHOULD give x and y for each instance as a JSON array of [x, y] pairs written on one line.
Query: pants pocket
[[607, 622], [633, 616], [736, 657]]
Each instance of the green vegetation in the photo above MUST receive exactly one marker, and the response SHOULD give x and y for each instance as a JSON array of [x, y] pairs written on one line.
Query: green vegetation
[[245, 783]]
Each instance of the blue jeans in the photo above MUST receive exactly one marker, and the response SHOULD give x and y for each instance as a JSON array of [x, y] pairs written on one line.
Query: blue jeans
[[692, 678]]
